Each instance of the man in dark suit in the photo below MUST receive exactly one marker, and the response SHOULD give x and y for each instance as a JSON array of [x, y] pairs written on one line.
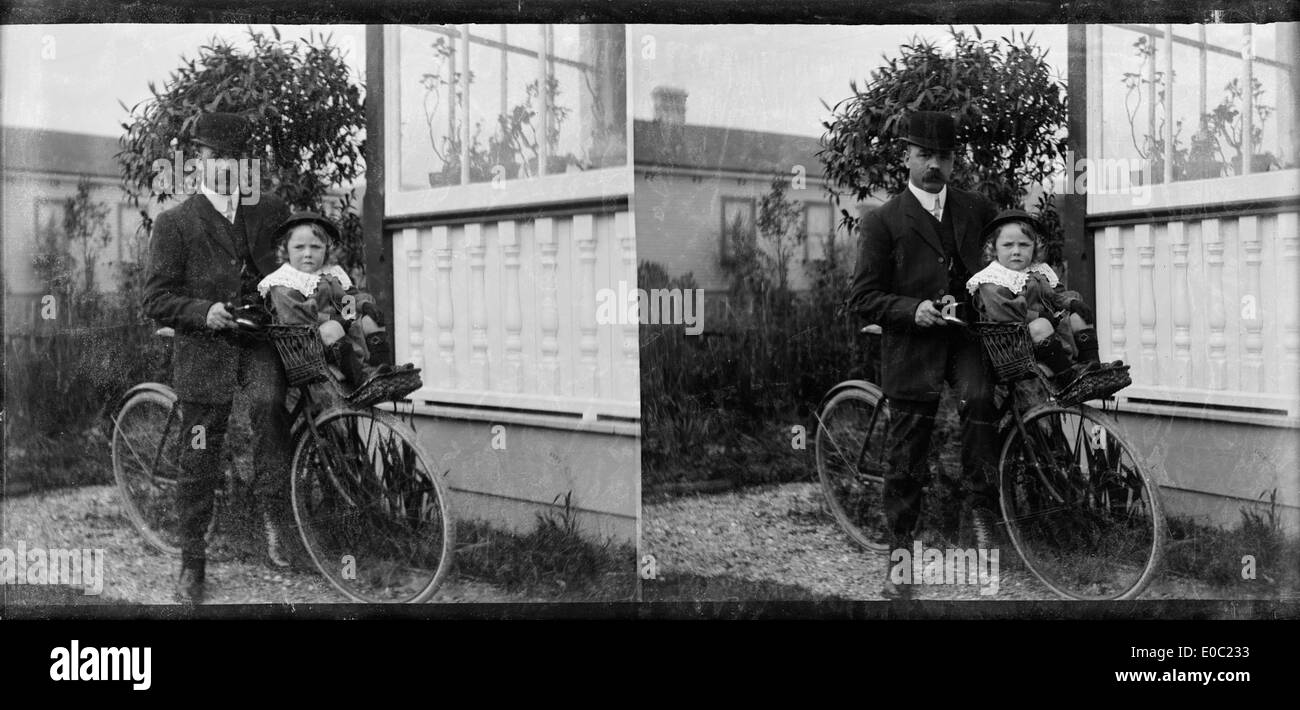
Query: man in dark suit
[[210, 250], [917, 248]]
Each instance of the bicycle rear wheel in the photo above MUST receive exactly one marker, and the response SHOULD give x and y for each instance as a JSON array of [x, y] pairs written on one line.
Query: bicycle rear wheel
[[372, 514], [1080, 508], [146, 465], [850, 446]]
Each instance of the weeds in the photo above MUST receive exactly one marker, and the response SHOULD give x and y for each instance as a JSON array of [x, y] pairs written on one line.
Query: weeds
[[1215, 554], [554, 558]]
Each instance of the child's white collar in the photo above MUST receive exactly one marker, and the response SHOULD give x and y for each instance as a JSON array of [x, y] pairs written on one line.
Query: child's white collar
[[301, 281], [1014, 281]]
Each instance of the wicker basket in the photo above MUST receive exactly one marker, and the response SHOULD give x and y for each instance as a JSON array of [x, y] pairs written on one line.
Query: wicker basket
[[387, 387], [1098, 384], [1008, 348], [301, 351]]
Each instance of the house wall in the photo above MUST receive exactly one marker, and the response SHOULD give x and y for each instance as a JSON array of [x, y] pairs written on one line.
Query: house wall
[[527, 395], [31, 200], [679, 220], [1212, 470], [1198, 293]]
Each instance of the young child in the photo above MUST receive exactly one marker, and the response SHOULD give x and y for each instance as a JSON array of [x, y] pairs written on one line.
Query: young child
[[309, 290], [1019, 287]]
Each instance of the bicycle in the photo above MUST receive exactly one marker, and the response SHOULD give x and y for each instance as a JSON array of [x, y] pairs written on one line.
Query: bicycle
[[1076, 502], [373, 516]]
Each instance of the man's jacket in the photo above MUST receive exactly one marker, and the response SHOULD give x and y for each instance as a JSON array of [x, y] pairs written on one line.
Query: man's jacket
[[193, 263], [902, 262]]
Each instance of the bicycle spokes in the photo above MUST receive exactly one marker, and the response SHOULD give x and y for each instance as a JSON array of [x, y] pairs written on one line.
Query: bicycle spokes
[[850, 464], [367, 502], [1080, 510]]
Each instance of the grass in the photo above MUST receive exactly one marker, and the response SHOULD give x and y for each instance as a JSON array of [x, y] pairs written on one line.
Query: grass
[[555, 560], [1215, 554]]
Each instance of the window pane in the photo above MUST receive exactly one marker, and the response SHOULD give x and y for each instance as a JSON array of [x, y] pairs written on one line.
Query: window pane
[[519, 126], [1206, 95], [819, 229], [737, 223]]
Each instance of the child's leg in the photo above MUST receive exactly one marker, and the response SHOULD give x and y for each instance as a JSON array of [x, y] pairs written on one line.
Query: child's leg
[[1040, 329], [330, 332]]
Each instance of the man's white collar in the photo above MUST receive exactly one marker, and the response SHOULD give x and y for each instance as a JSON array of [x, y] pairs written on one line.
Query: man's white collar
[[219, 201], [301, 281], [1013, 281], [927, 198]]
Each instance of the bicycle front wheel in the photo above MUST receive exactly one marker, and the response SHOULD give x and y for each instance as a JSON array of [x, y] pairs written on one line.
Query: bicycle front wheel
[[851, 463], [1080, 508], [372, 514], [146, 435]]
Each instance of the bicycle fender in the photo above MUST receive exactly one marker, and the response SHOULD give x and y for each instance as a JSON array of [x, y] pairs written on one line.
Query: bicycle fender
[[160, 388], [848, 385]]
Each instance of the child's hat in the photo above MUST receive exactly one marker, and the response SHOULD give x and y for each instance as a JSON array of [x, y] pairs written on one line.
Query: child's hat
[[1009, 216], [298, 218]]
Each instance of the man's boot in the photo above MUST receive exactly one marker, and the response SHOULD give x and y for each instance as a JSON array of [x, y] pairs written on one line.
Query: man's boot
[[190, 586]]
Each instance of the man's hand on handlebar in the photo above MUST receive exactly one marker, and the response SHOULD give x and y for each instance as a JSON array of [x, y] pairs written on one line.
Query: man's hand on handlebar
[[219, 318], [927, 315]]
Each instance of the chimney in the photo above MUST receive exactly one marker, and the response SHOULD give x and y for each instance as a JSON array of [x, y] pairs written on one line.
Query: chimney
[[670, 105]]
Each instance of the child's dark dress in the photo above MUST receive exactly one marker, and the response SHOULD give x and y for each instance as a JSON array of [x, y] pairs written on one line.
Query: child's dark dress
[[300, 298]]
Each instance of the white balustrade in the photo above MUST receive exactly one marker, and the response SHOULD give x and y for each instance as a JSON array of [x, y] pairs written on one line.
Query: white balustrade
[[1252, 307], [514, 306], [1211, 232], [1181, 306], [1146, 241], [1218, 312], [1118, 339]]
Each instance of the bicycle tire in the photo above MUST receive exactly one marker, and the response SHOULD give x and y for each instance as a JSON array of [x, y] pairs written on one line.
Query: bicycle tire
[[148, 486], [850, 455], [372, 514], [1088, 521]]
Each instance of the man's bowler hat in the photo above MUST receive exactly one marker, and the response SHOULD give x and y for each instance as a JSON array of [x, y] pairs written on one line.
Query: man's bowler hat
[[935, 130], [1010, 216], [298, 218], [226, 133]]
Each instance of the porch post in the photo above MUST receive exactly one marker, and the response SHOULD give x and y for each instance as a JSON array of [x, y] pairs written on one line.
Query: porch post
[[377, 243], [1078, 248]]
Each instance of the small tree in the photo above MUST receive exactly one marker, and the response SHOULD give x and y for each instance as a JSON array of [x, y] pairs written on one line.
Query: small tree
[[306, 113], [780, 222], [745, 265], [1010, 111], [85, 222]]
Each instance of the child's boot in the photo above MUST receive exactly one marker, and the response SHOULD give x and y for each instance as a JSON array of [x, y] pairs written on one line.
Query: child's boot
[[1086, 340], [377, 344], [1051, 352], [346, 358]]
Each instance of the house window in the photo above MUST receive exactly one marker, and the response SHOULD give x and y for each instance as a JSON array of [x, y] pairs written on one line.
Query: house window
[[1172, 106], [491, 104], [738, 225], [820, 230]]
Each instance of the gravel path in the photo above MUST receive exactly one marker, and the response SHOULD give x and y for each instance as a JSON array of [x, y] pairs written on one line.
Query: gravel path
[[784, 534], [91, 517]]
